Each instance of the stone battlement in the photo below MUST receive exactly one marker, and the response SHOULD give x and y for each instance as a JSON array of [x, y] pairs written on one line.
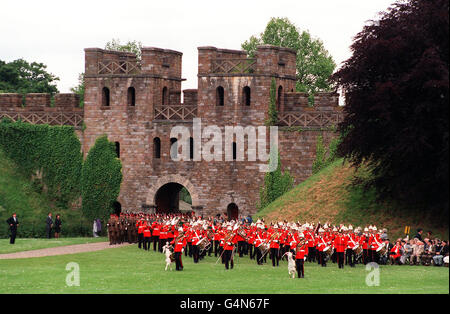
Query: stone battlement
[[36, 108]]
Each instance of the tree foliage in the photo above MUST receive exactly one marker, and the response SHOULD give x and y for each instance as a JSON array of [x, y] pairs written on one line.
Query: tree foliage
[[20, 76], [79, 89], [101, 177], [130, 46], [324, 156], [272, 114], [276, 183], [314, 63], [396, 91], [49, 154]]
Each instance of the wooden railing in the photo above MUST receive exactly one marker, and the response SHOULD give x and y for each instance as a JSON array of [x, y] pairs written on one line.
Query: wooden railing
[[310, 119], [233, 65], [178, 112], [52, 118], [118, 67]]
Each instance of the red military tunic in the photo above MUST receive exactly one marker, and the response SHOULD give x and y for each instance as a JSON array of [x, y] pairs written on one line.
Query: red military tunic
[[340, 243]]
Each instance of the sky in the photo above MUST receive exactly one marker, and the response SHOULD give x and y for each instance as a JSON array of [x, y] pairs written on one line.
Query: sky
[[56, 32]]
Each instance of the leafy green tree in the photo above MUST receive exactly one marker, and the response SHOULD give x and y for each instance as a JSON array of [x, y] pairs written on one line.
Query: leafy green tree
[[276, 183], [101, 177], [314, 63], [79, 89], [130, 46], [20, 76]]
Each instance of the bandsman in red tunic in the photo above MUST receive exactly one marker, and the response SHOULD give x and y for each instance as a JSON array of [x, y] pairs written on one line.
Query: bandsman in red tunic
[[340, 243], [230, 241], [301, 251], [179, 245]]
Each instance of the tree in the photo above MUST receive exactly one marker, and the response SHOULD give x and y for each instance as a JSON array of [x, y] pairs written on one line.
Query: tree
[[101, 177], [396, 114], [276, 183], [20, 76], [130, 46], [79, 89], [314, 64]]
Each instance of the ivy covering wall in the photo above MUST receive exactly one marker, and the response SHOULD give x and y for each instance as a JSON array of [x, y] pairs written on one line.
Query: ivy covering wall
[[49, 155]]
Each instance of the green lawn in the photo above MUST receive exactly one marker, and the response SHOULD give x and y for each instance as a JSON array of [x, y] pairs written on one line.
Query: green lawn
[[130, 270], [35, 244]]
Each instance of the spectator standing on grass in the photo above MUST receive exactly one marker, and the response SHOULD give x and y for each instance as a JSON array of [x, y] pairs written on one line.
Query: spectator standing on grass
[[94, 229], [419, 234], [13, 223], [99, 227], [58, 224], [49, 225]]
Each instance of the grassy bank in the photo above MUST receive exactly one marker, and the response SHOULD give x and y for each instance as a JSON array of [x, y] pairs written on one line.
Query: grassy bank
[[330, 196]]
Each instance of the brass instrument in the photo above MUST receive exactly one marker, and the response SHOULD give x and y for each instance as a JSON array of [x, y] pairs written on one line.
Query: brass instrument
[[299, 244]]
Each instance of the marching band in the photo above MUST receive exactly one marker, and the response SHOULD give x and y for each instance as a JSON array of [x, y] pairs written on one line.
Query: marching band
[[197, 237]]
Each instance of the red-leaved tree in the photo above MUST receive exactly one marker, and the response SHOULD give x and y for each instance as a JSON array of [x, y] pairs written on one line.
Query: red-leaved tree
[[396, 92]]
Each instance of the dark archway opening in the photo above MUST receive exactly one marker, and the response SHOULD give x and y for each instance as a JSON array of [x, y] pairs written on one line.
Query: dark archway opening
[[117, 208], [232, 211], [173, 198]]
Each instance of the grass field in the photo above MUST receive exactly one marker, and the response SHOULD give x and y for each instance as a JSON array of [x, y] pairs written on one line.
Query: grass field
[[35, 244], [130, 270]]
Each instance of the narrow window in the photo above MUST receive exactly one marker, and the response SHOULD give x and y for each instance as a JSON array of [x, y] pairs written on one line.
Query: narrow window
[[280, 93], [173, 148], [234, 150], [131, 97], [191, 148], [246, 96], [157, 147], [117, 149], [105, 96], [220, 96], [165, 95]]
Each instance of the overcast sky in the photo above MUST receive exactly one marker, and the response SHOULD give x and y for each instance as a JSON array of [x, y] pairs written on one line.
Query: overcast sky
[[56, 32]]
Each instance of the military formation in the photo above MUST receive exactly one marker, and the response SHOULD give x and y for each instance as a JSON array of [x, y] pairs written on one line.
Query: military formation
[[195, 237]]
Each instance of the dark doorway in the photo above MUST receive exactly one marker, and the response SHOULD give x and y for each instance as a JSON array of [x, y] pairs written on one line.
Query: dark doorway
[[117, 208], [168, 197], [232, 211]]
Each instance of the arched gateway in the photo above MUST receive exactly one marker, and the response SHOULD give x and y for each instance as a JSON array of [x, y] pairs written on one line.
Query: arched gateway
[[163, 194]]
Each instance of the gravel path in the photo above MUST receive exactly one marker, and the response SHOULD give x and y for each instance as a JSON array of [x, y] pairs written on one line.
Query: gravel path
[[61, 250]]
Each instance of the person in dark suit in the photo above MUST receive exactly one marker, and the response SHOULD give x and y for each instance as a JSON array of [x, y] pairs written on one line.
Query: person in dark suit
[[49, 225], [13, 223], [58, 224]]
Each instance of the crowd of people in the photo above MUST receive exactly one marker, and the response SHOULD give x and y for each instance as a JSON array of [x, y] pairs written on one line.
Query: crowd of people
[[195, 237]]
